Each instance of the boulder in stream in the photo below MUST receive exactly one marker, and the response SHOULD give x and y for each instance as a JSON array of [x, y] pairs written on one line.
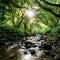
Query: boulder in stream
[[32, 52], [57, 57]]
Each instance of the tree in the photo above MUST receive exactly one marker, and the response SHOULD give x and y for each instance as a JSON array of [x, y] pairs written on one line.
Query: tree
[[12, 14], [48, 9]]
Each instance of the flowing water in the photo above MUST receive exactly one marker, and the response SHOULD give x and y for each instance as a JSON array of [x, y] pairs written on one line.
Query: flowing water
[[28, 55]]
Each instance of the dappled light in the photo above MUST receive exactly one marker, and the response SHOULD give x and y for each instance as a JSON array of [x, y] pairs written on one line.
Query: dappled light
[[29, 29], [30, 13]]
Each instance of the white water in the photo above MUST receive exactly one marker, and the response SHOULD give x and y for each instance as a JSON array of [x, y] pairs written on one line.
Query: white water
[[28, 56]]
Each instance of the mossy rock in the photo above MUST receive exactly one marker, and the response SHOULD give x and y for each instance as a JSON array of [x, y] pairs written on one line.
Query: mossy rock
[[11, 55], [46, 46], [27, 42]]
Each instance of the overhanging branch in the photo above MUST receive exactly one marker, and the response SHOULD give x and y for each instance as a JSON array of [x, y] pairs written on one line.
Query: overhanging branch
[[57, 5], [22, 18], [48, 9]]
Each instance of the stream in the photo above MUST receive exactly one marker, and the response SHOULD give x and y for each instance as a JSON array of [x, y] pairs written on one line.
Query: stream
[[32, 53], [22, 51]]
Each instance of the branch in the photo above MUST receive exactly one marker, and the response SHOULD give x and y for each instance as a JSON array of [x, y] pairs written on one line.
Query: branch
[[13, 18], [57, 5], [10, 2], [22, 17], [49, 10], [17, 6], [20, 21]]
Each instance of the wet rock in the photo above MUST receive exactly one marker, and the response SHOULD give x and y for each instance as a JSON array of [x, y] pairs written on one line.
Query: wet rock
[[32, 52], [54, 47], [47, 53], [27, 46], [34, 45], [51, 43], [57, 57], [47, 47], [7, 42], [25, 52], [55, 42], [17, 42], [40, 47], [39, 40], [52, 54], [2, 43], [22, 47], [11, 55]]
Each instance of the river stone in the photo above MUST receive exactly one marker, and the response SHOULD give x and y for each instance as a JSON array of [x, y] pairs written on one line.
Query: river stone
[[40, 46], [28, 46], [41, 38], [47, 47], [38, 40], [12, 55], [52, 54], [34, 45], [25, 52], [32, 52], [57, 57], [47, 53], [55, 42]]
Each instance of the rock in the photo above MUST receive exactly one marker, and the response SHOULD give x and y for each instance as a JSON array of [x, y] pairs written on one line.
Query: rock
[[39, 40], [17, 42], [34, 45], [32, 52], [25, 52], [52, 54], [22, 47], [47, 53], [45, 59], [47, 47], [2, 43], [27, 46], [57, 57], [51, 43], [40, 48], [55, 42], [12, 55]]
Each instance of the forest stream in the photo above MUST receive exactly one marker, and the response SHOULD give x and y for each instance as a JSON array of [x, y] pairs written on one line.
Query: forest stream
[[29, 29], [34, 51]]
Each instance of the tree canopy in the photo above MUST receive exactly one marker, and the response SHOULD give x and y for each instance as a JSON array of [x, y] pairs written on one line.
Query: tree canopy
[[30, 16]]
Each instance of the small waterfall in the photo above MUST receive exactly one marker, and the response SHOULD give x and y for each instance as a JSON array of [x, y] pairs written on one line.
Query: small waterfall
[[28, 57], [23, 56]]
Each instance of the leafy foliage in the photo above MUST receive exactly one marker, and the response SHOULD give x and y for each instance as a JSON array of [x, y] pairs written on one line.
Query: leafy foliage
[[12, 17], [56, 31]]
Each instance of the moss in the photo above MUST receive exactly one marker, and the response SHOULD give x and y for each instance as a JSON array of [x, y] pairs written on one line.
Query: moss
[[46, 46]]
